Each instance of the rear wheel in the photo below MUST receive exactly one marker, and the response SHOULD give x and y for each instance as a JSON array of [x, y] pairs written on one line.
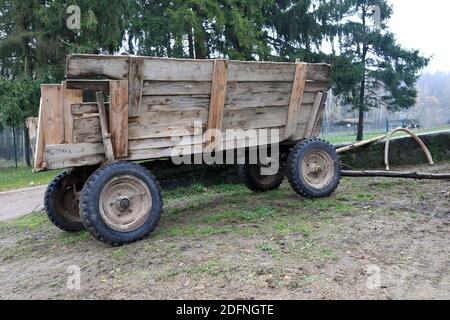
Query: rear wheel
[[121, 203], [313, 169], [256, 181], [61, 202]]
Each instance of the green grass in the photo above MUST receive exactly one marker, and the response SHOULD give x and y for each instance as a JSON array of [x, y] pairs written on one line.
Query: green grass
[[12, 178], [32, 221]]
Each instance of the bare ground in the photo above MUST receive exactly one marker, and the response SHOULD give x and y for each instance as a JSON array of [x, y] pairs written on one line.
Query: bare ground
[[225, 242]]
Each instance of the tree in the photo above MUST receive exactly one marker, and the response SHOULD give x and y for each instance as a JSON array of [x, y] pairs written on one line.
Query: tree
[[372, 69]]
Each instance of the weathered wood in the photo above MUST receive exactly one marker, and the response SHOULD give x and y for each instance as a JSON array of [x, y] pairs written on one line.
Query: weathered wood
[[313, 116], [217, 103], [396, 174], [73, 155], [136, 82], [111, 67], [89, 85], [171, 88], [70, 97], [118, 115], [80, 109], [32, 126], [174, 103], [106, 136], [360, 144], [296, 98], [53, 113], [39, 155], [320, 116]]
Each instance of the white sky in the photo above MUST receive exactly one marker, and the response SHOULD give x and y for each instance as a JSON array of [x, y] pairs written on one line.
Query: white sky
[[424, 25]]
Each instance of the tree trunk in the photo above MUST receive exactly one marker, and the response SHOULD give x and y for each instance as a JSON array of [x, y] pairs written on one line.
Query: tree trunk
[[26, 147], [362, 89], [191, 44]]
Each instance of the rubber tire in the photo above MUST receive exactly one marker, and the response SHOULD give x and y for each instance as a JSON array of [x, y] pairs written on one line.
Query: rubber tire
[[89, 204], [246, 172], [295, 177], [51, 196]]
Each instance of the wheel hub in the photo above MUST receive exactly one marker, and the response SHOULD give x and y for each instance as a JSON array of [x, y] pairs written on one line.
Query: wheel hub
[[317, 169], [125, 203]]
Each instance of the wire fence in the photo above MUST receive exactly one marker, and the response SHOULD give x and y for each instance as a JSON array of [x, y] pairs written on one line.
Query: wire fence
[[12, 147]]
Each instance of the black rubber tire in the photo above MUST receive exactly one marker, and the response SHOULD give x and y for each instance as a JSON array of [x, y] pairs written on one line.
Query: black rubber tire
[[54, 203], [90, 197], [296, 179], [248, 174]]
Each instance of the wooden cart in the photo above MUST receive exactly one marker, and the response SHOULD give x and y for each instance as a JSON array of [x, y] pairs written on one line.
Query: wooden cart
[[154, 108]]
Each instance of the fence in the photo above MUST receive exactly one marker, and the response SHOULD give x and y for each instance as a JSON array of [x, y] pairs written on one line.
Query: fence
[[12, 147]]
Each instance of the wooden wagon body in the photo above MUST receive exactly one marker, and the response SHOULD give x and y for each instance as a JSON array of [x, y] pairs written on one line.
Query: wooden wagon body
[[151, 104]]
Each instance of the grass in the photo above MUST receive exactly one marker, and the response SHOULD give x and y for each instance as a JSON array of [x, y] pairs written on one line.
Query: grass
[[23, 177], [30, 222]]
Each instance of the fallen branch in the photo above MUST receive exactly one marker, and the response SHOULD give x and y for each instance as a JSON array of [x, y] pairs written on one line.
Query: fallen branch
[[393, 174]]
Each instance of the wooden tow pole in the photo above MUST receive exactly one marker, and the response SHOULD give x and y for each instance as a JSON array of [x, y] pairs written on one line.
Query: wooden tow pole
[[388, 173]]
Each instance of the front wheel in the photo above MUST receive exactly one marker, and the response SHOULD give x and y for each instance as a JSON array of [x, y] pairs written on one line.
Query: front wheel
[[121, 203], [314, 169]]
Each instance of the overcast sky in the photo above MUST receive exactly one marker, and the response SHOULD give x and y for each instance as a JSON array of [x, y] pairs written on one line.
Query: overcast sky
[[424, 25]]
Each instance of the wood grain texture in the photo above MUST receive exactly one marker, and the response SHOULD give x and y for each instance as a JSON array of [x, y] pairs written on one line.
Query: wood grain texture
[[106, 136], [39, 155], [73, 155], [217, 102], [118, 116], [53, 114], [111, 67], [296, 99], [313, 116], [70, 97], [136, 82]]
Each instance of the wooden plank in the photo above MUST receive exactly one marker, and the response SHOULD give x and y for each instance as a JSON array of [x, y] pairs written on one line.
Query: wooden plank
[[161, 88], [136, 82], [32, 126], [313, 116], [118, 117], [106, 136], [111, 67], [73, 155], [160, 69], [296, 100], [70, 97], [318, 126], [53, 113], [80, 109], [39, 155], [89, 85], [217, 102], [175, 103]]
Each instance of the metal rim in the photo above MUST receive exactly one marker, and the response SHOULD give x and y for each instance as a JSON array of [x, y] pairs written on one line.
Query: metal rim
[[262, 179], [68, 204], [125, 203], [317, 169]]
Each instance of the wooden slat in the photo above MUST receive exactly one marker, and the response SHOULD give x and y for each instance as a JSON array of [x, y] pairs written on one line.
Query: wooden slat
[[106, 136], [296, 100], [39, 155], [159, 69], [161, 88], [73, 155], [313, 117], [70, 97], [175, 103], [319, 121], [111, 67], [136, 82], [53, 114], [89, 85], [217, 103], [118, 115], [80, 109]]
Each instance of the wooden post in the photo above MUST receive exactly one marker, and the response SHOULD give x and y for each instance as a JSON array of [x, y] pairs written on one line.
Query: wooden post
[[136, 84], [106, 137], [217, 103], [118, 117], [298, 88], [70, 97], [40, 142]]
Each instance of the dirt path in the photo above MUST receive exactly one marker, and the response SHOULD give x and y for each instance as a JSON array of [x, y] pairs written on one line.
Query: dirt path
[[17, 203], [373, 239]]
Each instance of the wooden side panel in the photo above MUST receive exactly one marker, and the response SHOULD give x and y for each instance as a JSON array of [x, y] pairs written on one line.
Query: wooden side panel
[[313, 116], [70, 97], [118, 116], [217, 102], [156, 69], [136, 82], [74, 155], [53, 114], [295, 103]]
